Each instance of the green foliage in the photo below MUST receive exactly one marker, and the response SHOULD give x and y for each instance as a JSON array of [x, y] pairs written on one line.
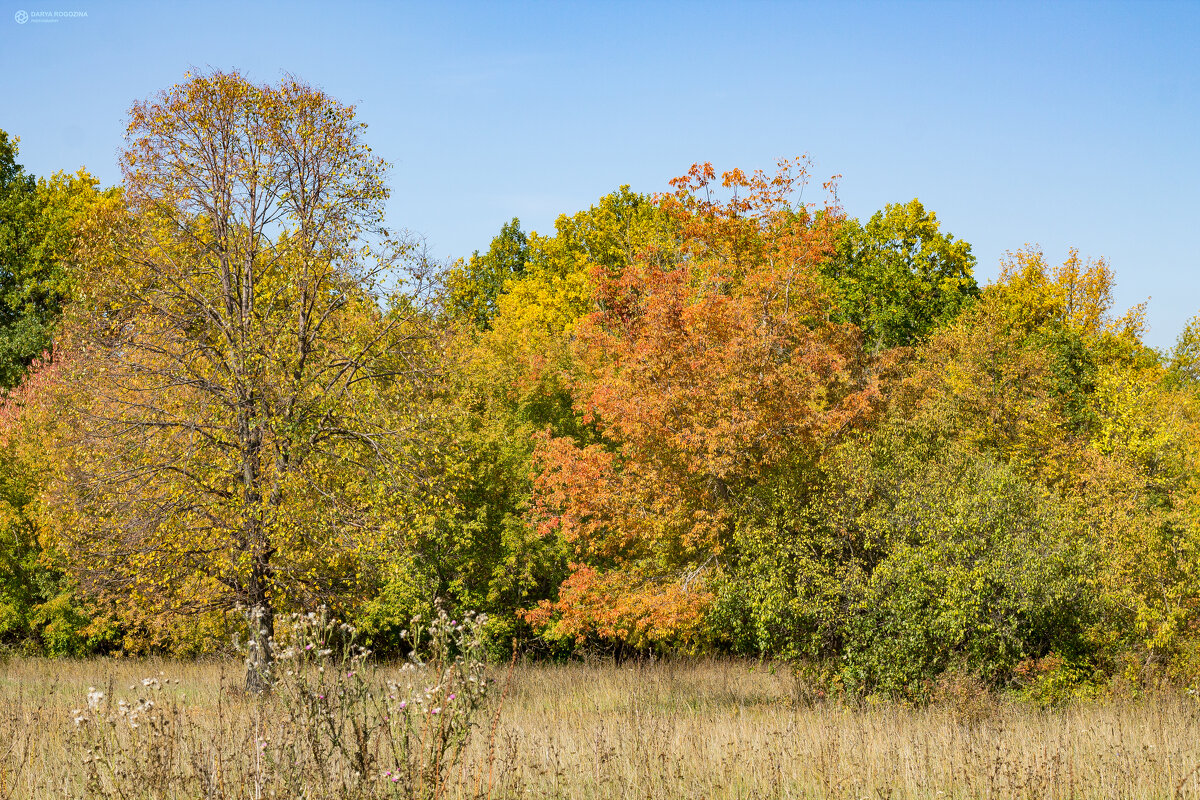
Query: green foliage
[[25, 304], [982, 570], [1184, 359], [40, 613], [905, 562], [36, 224], [783, 587], [474, 286], [898, 277], [60, 627], [1073, 371]]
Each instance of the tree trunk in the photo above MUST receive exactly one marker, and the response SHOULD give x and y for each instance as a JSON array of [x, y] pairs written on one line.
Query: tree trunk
[[261, 657]]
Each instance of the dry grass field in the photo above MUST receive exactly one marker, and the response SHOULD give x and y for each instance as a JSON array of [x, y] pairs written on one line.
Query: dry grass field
[[709, 729]]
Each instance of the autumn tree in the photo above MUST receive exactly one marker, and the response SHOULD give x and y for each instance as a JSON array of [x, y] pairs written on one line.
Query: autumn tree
[[709, 366], [40, 610], [230, 352]]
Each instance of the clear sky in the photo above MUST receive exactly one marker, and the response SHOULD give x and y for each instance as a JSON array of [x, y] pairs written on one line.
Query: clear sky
[[1061, 124]]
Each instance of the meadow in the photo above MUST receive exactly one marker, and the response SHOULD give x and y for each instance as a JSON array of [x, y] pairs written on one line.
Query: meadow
[[666, 729]]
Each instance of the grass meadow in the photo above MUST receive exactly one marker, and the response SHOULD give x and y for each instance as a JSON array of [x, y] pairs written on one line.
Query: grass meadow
[[702, 729]]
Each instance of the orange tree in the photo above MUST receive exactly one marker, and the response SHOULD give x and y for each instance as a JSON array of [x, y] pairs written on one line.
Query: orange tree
[[710, 366]]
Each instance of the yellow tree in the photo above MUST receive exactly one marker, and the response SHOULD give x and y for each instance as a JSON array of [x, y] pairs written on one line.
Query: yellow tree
[[230, 355], [1044, 377]]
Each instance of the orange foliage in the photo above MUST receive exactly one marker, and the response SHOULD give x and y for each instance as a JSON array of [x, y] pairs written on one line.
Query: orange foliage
[[707, 364], [30, 396], [620, 607]]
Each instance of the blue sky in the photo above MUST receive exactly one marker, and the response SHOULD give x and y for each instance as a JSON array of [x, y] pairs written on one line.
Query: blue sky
[[1061, 124]]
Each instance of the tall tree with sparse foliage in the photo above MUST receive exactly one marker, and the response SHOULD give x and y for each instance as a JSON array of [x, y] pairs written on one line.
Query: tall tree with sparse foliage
[[229, 355]]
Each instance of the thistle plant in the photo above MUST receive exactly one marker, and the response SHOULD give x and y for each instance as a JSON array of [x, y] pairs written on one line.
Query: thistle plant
[[334, 724], [374, 734]]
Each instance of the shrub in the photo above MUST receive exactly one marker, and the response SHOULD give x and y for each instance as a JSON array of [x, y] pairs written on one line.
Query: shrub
[[982, 571]]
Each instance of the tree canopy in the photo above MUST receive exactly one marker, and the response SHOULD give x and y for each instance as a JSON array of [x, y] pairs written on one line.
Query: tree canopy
[[716, 419]]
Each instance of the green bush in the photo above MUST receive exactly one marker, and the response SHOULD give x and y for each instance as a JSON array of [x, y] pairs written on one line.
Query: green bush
[[982, 571]]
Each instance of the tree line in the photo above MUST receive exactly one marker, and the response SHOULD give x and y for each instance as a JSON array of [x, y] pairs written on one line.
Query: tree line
[[716, 419]]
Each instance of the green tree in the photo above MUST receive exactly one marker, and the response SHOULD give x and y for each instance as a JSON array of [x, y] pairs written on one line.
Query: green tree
[[1184, 358], [27, 301], [37, 217], [981, 569], [474, 286], [19, 209], [899, 276]]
